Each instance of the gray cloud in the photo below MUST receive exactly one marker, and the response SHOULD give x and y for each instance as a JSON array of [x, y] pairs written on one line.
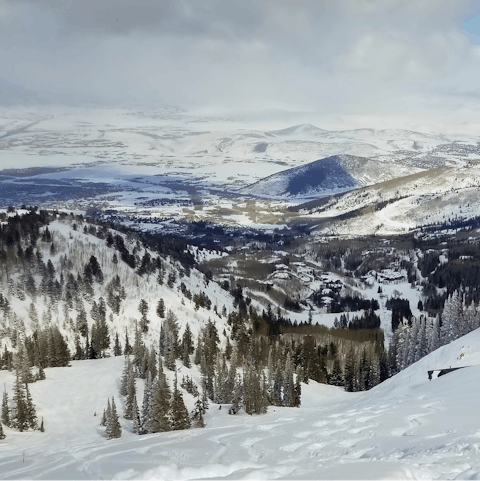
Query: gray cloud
[[342, 56]]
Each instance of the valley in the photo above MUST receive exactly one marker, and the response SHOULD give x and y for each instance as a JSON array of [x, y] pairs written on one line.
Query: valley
[[291, 285]]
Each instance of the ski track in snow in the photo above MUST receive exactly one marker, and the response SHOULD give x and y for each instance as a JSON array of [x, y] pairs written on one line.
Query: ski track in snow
[[406, 428]]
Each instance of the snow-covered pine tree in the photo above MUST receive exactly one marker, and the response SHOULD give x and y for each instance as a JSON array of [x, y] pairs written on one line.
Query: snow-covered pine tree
[[2, 434], [31, 413], [158, 416], [178, 411], [116, 428], [197, 414], [297, 392], [451, 318], [19, 418], [42, 427], [131, 396], [127, 368]]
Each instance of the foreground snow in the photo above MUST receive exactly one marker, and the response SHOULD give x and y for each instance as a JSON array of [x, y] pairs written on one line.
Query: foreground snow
[[405, 428]]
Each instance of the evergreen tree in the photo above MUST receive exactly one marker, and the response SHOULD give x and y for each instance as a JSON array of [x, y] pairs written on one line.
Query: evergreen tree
[[127, 350], [147, 399], [136, 417], [108, 417], [158, 416], [161, 308], [131, 397], [179, 414], [31, 413], [143, 309], [42, 427], [19, 418], [117, 349], [113, 424], [350, 371], [127, 368], [103, 421], [197, 415], [451, 318], [297, 392], [5, 410], [171, 349], [2, 434]]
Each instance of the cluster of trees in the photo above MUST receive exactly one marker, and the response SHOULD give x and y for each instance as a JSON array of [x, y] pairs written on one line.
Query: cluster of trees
[[21, 413], [413, 340], [368, 320], [161, 409], [113, 428]]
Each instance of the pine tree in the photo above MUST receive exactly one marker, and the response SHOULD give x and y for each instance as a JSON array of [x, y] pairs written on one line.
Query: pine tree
[[144, 321], [5, 410], [350, 371], [171, 349], [158, 416], [147, 399], [136, 417], [161, 308], [31, 413], [19, 419], [131, 397], [297, 392], [117, 349], [127, 368], [2, 434], [42, 427], [451, 318], [197, 415], [127, 350], [113, 422], [108, 422], [179, 413]]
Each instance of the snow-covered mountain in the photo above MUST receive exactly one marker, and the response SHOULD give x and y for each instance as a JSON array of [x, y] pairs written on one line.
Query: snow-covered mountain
[[322, 177]]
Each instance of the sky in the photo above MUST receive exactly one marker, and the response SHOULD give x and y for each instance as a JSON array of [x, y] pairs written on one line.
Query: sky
[[348, 57]]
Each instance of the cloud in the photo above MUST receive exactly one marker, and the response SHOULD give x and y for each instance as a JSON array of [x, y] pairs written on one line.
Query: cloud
[[333, 56]]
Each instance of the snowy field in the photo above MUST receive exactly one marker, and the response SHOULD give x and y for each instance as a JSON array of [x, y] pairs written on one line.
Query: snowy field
[[406, 428]]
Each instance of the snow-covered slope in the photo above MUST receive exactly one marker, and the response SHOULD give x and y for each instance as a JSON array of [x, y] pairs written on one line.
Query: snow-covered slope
[[406, 428], [322, 177], [403, 204], [73, 249]]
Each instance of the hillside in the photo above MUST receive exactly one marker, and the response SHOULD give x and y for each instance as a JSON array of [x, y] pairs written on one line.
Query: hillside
[[322, 177], [406, 428]]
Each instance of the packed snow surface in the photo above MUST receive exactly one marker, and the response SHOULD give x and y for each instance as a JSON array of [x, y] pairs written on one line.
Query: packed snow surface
[[406, 428]]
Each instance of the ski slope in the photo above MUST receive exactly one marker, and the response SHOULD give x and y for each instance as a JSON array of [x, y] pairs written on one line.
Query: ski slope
[[406, 428]]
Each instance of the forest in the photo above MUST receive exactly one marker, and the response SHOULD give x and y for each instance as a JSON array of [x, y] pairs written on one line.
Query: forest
[[81, 289]]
